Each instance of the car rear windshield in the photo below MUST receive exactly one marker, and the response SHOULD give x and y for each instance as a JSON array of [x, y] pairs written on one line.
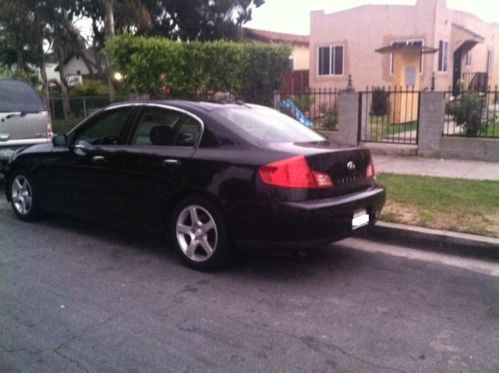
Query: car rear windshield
[[17, 96], [268, 125]]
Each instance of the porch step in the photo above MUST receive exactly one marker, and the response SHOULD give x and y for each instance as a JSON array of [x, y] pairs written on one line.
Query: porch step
[[391, 149]]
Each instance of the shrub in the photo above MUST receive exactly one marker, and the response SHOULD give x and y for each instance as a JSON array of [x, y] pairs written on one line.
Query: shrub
[[330, 118], [451, 107], [149, 65], [90, 88], [468, 112], [380, 102]]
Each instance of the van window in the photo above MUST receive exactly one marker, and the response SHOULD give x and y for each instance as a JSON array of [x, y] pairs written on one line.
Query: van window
[[18, 96]]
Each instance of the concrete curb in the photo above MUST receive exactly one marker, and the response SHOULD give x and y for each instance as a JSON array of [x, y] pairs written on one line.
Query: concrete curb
[[453, 243]]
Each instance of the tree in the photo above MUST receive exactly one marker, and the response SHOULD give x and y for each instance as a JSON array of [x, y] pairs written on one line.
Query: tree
[[18, 35], [198, 19]]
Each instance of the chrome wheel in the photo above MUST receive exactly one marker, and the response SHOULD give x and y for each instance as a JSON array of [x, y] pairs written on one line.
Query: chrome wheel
[[22, 195], [196, 233]]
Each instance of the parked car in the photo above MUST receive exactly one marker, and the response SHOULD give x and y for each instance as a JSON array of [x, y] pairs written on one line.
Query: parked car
[[215, 176], [24, 120]]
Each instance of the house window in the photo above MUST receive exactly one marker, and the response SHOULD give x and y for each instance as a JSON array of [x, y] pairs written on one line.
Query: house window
[[330, 60], [401, 43], [443, 51], [468, 58]]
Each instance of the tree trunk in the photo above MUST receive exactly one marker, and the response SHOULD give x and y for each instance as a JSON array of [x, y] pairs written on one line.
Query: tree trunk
[[66, 107], [109, 25], [43, 74], [109, 21]]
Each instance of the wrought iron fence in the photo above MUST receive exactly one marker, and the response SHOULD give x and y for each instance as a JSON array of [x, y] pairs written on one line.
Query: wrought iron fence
[[80, 107], [389, 115], [472, 114], [315, 108]]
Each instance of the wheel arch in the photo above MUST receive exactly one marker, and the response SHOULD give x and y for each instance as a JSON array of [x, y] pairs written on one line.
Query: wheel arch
[[172, 202]]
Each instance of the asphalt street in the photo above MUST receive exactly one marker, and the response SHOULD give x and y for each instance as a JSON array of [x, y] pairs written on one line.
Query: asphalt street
[[81, 297]]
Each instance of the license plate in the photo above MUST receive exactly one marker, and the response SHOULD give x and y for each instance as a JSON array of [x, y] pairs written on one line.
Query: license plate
[[360, 218]]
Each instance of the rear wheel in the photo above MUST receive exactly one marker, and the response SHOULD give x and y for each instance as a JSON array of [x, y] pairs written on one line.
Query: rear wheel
[[199, 234], [23, 198]]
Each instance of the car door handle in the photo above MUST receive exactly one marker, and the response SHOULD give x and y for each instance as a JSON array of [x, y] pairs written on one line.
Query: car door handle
[[98, 159], [170, 162]]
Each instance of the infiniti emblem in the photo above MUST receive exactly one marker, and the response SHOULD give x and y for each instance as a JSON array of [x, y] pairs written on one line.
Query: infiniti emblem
[[351, 166]]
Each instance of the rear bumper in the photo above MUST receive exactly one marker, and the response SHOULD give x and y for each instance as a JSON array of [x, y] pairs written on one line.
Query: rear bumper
[[316, 222]]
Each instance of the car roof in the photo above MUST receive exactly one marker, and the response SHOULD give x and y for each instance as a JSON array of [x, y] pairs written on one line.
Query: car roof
[[199, 106]]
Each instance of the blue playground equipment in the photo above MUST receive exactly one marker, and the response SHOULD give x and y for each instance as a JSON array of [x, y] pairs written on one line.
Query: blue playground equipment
[[291, 106]]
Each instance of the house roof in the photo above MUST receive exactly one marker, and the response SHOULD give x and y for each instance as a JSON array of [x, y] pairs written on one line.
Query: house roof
[[275, 37], [90, 53], [472, 35]]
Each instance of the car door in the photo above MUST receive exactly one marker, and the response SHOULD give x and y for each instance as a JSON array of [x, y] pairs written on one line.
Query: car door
[[154, 166], [77, 177]]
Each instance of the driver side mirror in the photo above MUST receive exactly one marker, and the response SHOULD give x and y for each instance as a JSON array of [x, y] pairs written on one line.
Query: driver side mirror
[[59, 140]]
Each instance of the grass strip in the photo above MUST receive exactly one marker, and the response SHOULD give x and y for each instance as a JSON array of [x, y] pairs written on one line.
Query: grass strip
[[468, 206]]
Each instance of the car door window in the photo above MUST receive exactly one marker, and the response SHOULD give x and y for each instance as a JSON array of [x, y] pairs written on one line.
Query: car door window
[[164, 127], [156, 127], [106, 129], [189, 132]]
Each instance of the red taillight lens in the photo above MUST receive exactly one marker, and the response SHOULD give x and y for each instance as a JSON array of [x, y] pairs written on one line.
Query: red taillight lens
[[370, 172], [294, 173]]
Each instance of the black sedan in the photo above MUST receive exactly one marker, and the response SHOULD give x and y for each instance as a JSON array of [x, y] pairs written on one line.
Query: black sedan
[[213, 176]]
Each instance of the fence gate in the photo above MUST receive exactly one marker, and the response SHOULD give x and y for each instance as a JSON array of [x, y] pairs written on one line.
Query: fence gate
[[389, 116]]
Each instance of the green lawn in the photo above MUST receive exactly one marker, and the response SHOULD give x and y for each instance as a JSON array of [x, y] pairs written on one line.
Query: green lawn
[[451, 204], [492, 130], [381, 128]]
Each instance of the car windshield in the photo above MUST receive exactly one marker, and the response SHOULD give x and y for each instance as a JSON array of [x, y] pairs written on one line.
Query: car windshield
[[17, 96], [268, 125]]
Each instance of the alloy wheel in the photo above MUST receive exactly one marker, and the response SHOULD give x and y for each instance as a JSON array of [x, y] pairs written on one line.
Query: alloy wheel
[[196, 233], [22, 195]]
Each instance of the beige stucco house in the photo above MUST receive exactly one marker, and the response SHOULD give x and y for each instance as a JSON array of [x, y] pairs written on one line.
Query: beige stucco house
[[403, 45]]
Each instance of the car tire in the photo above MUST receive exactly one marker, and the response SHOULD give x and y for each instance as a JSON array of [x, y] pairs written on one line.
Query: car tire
[[23, 197], [199, 234]]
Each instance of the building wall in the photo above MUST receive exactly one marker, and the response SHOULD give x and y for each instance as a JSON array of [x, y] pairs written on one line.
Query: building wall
[[363, 29], [490, 33], [74, 65], [301, 57]]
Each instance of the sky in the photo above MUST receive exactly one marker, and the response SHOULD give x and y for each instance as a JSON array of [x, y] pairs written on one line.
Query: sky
[[292, 16]]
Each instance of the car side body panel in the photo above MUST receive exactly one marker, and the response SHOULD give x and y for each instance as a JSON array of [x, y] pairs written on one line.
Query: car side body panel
[[139, 185]]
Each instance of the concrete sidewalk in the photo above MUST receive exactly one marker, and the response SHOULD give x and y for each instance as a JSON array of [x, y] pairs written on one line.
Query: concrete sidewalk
[[451, 168]]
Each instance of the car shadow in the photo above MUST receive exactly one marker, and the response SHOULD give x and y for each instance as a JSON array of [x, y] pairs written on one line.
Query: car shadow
[[266, 264]]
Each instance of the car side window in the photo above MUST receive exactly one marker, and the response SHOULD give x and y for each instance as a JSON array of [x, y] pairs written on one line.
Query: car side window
[[106, 129], [156, 127], [189, 132], [164, 127]]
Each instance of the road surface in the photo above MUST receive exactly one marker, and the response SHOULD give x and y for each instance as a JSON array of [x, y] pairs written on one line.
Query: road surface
[[77, 297]]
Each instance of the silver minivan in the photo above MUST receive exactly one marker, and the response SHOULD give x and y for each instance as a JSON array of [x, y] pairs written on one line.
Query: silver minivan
[[24, 119]]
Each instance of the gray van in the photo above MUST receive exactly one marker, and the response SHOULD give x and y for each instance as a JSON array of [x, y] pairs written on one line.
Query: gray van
[[24, 119]]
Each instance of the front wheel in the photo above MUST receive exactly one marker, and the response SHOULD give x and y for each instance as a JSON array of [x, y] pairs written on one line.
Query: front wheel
[[23, 198], [199, 234]]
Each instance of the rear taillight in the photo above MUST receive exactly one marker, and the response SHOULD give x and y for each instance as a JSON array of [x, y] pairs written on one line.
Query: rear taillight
[[294, 173], [370, 172]]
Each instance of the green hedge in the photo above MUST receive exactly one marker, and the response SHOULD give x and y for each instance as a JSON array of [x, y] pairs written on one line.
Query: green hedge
[[250, 71]]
